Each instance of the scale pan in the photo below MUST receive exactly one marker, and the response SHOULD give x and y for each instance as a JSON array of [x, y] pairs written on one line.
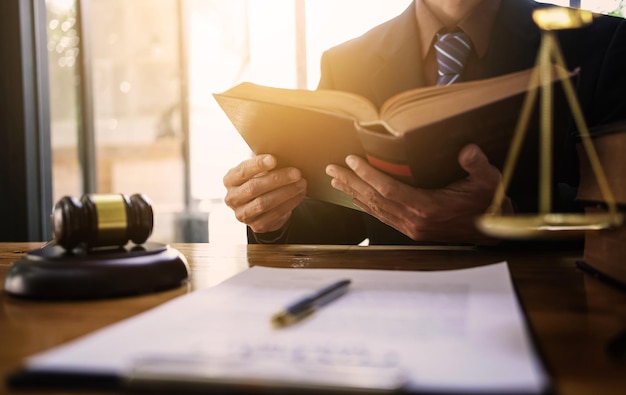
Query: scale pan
[[550, 225]]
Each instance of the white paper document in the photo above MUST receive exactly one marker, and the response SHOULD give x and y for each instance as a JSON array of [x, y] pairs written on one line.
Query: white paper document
[[439, 331]]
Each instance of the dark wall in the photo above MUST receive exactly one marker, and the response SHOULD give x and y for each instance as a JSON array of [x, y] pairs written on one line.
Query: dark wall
[[25, 174]]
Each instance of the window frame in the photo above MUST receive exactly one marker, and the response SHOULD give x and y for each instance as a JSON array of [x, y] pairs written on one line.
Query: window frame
[[25, 151]]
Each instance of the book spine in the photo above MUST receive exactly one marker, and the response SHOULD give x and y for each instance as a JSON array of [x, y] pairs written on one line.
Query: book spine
[[605, 251], [610, 144]]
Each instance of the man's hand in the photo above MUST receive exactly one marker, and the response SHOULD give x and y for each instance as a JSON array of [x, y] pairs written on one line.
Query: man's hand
[[445, 215], [262, 196]]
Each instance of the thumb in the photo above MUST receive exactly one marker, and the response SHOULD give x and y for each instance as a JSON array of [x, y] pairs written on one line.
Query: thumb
[[474, 161]]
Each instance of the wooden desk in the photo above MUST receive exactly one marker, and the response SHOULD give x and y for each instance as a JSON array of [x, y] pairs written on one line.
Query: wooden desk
[[572, 315]]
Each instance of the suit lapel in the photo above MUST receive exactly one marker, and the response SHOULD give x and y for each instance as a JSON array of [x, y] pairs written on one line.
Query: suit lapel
[[514, 40], [396, 66]]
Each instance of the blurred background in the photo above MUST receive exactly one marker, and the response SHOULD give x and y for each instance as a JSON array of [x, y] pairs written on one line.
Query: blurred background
[[131, 86]]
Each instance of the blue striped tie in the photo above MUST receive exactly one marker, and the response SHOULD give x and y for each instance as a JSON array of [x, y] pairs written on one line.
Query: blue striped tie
[[452, 50]]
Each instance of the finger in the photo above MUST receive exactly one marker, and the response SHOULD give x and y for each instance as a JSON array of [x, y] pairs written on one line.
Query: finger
[[346, 181], [268, 212], [273, 220], [389, 188], [349, 183], [248, 169], [390, 218], [365, 196], [475, 162], [261, 184]]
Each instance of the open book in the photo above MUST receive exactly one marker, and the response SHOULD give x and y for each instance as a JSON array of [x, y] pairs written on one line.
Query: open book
[[415, 137]]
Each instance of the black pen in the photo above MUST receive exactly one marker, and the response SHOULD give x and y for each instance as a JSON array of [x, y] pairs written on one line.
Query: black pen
[[309, 304]]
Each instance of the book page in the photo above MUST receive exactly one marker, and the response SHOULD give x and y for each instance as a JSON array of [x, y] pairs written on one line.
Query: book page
[[445, 331], [330, 101], [419, 107]]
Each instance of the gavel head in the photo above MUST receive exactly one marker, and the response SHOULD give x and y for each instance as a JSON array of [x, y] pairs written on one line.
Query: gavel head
[[102, 220]]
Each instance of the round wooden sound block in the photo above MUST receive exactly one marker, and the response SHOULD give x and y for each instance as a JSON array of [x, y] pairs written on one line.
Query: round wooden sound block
[[54, 273]]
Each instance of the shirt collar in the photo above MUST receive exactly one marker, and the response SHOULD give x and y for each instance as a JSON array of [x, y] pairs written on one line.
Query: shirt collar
[[477, 25]]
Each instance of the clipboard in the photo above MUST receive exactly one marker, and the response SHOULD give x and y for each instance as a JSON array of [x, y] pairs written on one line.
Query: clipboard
[[453, 332]]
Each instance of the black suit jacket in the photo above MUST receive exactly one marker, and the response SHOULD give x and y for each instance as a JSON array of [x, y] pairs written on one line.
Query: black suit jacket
[[386, 60]]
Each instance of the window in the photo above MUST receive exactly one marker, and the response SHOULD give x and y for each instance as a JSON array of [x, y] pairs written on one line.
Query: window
[[612, 7], [150, 69], [146, 57]]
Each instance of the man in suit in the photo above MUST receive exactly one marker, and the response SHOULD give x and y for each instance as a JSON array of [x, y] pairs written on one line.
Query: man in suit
[[399, 55]]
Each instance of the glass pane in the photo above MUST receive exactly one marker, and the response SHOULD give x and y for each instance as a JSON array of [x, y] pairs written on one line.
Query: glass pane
[[242, 40], [62, 63], [331, 22], [612, 7], [136, 60], [219, 53], [229, 42]]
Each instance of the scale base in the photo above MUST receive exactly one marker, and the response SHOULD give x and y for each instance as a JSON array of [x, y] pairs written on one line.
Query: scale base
[[551, 225], [53, 273]]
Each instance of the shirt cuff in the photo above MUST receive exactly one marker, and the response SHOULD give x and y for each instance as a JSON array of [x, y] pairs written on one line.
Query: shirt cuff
[[275, 237]]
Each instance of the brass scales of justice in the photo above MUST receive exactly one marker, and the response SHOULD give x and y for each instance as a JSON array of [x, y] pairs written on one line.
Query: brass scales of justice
[[545, 223]]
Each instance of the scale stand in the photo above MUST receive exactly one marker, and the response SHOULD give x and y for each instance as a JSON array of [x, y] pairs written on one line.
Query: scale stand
[[546, 223]]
